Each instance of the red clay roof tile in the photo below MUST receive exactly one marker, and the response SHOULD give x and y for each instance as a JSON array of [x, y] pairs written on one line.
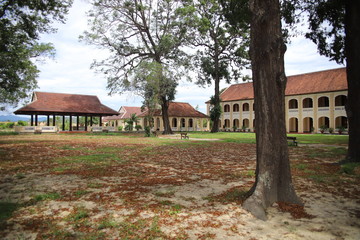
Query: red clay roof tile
[[315, 82], [62, 103]]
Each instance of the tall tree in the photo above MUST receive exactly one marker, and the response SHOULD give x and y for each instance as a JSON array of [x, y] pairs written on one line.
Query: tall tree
[[273, 177], [135, 31], [334, 27], [21, 23], [151, 81], [223, 51]]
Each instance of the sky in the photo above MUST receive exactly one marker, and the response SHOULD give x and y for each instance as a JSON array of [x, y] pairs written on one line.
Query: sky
[[70, 71]]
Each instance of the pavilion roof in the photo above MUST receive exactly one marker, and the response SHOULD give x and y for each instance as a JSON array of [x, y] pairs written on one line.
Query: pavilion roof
[[308, 83], [44, 103]]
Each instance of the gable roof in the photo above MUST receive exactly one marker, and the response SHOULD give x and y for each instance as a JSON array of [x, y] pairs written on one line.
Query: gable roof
[[315, 82], [124, 113], [65, 104], [179, 109]]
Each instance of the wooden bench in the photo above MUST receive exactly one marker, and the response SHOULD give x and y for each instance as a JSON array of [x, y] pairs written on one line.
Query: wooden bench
[[293, 139], [184, 136]]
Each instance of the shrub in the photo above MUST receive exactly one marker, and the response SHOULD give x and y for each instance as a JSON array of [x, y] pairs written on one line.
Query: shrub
[[138, 127], [10, 125], [21, 123], [120, 128], [147, 131]]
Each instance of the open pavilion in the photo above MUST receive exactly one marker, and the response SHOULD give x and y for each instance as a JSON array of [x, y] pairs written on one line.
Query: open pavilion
[[62, 104]]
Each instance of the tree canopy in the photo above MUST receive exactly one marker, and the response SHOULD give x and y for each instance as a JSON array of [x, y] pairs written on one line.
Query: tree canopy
[[138, 31], [21, 23], [222, 49]]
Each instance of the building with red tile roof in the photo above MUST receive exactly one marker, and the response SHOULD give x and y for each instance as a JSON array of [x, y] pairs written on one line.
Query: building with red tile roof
[[63, 104], [312, 101], [182, 117]]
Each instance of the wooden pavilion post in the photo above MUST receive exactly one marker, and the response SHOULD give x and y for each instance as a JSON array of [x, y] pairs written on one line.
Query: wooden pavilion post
[[32, 120], [48, 120], [86, 123], [36, 120], [91, 121], [54, 121], [70, 126], [63, 122], [100, 121]]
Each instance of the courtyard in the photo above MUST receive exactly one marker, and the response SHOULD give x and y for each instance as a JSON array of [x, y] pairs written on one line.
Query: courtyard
[[125, 186]]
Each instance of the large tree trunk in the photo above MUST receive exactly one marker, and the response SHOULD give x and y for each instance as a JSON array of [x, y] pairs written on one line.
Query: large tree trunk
[[273, 176], [352, 40], [215, 126], [165, 116]]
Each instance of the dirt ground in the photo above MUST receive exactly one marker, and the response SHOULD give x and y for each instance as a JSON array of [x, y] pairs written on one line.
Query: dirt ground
[[110, 187]]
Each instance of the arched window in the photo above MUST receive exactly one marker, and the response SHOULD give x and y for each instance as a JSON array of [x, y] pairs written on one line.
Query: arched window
[[191, 122], [308, 103], [227, 108], [323, 102], [340, 100], [245, 107], [236, 107], [227, 123], [341, 122], [293, 104], [246, 123], [183, 122], [236, 123], [174, 122]]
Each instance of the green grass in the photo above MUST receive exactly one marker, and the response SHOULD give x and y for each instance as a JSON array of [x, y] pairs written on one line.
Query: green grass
[[47, 196], [349, 168], [240, 137]]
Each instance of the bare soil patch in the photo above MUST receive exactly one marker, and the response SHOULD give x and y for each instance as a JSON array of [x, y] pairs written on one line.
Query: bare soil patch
[[111, 187]]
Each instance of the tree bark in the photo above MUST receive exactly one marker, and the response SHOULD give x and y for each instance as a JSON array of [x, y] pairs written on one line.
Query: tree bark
[[165, 116], [215, 126], [352, 51], [273, 177]]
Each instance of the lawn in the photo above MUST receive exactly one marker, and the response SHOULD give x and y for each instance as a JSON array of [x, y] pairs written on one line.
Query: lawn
[[125, 186]]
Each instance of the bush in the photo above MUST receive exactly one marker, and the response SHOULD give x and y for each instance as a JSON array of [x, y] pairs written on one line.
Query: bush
[[128, 127], [21, 123], [120, 128], [147, 131], [138, 127], [10, 125]]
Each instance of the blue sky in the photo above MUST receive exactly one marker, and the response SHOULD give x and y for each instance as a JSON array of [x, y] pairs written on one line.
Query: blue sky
[[70, 71]]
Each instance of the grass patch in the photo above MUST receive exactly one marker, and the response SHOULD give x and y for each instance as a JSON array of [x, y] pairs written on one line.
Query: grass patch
[[107, 223], [78, 214], [47, 196], [234, 194], [6, 210], [5, 133], [349, 168]]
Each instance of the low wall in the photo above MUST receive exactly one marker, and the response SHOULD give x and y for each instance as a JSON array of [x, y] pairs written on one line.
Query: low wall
[[33, 129]]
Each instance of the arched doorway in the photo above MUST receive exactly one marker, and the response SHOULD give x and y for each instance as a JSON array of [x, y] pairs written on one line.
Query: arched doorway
[[293, 124], [308, 125]]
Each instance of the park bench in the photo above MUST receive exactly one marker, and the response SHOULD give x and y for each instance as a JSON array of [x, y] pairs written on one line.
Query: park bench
[[293, 140], [184, 136]]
